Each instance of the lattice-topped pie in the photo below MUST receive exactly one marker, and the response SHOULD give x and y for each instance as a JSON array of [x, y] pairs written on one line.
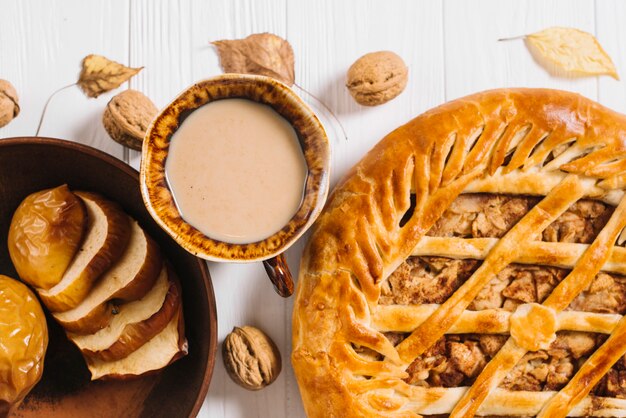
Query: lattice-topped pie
[[472, 264]]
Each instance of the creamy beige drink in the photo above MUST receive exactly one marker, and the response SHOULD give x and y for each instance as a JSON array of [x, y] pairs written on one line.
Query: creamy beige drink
[[236, 170]]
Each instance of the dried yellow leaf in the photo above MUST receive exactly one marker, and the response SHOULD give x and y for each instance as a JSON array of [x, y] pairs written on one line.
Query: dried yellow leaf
[[99, 75], [573, 50], [260, 53]]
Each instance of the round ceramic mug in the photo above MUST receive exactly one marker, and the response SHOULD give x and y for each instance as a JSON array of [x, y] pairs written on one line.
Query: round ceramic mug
[[315, 146]]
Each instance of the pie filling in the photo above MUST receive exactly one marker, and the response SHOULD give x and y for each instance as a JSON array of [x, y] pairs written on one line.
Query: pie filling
[[456, 360]]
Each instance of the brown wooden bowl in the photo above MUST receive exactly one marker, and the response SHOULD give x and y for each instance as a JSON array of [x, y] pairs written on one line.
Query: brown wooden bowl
[[31, 164]]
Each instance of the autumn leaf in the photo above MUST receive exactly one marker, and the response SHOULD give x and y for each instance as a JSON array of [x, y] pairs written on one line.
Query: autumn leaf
[[99, 75], [264, 54], [571, 50], [261, 53]]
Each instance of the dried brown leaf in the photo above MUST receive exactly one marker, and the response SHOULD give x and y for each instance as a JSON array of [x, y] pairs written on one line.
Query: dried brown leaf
[[261, 53], [99, 75], [572, 50]]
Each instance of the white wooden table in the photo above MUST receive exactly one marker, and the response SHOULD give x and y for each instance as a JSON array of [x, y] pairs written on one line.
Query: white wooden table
[[449, 45]]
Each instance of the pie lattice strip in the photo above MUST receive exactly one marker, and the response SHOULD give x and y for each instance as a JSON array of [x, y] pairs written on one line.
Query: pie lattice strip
[[499, 402], [537, 182], [503, 402], [506, 250], [557, 254], [588, 375], [591, 262], [406, 318], [575, 282]]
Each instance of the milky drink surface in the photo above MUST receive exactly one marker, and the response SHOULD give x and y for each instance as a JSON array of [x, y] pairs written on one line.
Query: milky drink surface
[[236, 170]]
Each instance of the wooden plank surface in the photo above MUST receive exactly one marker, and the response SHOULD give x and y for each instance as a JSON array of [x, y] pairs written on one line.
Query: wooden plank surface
[[450, 47], [42, 44], [611, 33], [476, 61]]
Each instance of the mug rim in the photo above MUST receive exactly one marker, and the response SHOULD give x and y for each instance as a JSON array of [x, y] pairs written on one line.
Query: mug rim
[[159, 199]]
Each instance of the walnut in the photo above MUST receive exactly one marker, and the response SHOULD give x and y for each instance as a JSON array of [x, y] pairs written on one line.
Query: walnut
[[377, 77], [9, 107], [127, 116], [251, 358]]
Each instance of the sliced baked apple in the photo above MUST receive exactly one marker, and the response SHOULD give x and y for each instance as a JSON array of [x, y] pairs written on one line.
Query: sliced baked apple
[[136, 322], [107, 234], [163, 349], [129, 279], [46, 231]]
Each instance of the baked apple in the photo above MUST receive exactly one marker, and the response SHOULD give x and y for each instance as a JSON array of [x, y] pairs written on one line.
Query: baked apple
[[46, 231], [135, 323], [129, 279], [115, 297], [23, 343], [160, 351]]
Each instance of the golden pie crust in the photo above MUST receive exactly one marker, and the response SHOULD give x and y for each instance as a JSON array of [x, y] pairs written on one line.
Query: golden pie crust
[[556, 146]]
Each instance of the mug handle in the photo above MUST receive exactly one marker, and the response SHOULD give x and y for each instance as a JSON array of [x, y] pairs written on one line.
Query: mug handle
[[278, 272]]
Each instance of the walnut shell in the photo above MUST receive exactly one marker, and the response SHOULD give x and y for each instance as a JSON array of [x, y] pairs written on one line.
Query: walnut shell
[[9, 107], [377, 77], [127, 116], [251, 358]]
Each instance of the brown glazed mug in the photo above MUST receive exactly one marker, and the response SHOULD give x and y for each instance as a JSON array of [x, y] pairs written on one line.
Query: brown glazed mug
[[315, 146]]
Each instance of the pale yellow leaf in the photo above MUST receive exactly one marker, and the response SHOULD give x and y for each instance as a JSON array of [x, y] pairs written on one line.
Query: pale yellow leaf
[[260, 53], [99, 75], [573, 50]]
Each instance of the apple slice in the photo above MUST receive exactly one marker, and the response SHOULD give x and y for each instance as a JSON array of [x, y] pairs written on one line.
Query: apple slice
[[46, 231], [163, 349], [129, 279], [135, 324], [107, 235]]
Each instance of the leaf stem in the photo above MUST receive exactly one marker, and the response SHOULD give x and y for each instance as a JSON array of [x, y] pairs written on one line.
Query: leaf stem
[[319, 101], [513, 38], [45, 107]]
